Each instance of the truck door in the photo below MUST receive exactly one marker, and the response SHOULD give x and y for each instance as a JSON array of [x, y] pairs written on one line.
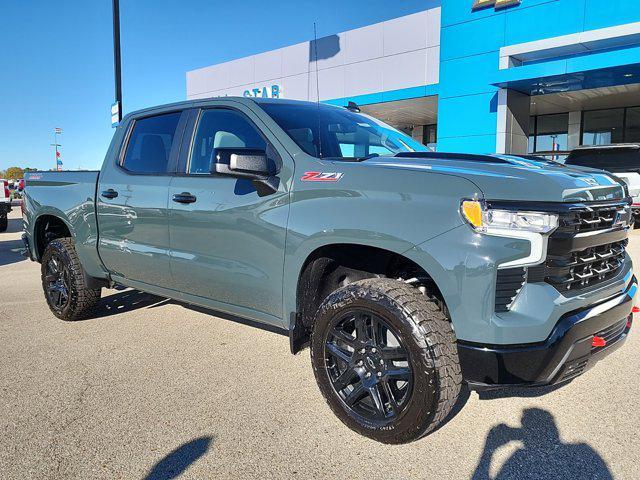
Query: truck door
[[132, 201], [227, 241]]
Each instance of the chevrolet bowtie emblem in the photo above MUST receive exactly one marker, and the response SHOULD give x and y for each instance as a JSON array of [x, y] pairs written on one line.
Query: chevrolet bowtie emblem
[[497, 4]]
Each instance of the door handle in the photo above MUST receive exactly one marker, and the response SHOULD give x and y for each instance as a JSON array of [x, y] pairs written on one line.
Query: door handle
[[184, 197], [111, 193]]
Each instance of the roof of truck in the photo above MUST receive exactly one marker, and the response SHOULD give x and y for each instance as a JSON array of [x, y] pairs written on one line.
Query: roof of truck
[[204, 101]]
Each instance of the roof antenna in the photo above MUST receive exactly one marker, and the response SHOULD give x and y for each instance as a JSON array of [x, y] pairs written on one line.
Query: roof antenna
[[315, 48]]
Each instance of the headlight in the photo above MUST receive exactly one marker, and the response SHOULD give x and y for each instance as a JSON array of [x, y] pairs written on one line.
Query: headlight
[[489, 220], [532, 226]]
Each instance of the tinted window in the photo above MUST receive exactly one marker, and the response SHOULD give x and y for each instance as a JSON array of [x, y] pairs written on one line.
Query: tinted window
[[549, 133], [611, 159], [335, 132], [222, 129], [632, 133], [603, 127], [150, 143]]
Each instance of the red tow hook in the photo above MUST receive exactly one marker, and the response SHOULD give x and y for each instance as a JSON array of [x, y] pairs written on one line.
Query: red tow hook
[[598, 341]]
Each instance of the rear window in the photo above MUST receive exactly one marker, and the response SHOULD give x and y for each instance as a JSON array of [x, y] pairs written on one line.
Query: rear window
[[611, 160], [150, 144]]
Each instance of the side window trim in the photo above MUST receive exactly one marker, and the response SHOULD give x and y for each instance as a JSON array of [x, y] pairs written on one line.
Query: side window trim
[[176, 143], [198, 118], [191, 120]]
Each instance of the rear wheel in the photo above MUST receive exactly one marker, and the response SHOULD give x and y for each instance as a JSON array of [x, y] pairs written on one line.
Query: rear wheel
[[64, 283], [385, 359], [4, 222]]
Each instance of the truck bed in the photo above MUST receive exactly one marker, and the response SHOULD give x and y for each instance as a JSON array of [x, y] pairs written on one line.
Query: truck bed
[[71, 197]]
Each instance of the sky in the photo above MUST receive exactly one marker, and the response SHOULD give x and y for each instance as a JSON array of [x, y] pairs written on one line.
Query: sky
[[56, 60]]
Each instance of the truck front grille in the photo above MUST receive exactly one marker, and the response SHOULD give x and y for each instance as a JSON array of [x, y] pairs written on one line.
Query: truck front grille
[[588, 247], [591, 219]]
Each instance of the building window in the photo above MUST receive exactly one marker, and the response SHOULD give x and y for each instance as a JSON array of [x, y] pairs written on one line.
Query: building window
[[603, 127], [549, 133], [430, 136], [632, 125]]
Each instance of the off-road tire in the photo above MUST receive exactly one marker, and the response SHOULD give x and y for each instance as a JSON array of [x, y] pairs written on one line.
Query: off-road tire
[[423, 329], [4, 222], [82, 299]]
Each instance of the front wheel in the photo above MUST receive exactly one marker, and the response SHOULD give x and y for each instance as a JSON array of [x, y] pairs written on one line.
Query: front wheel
[[64, 283], [4, 222], [385, 358]]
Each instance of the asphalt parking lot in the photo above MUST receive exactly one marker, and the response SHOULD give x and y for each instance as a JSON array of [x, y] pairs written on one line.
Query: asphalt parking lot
[[155, 389]]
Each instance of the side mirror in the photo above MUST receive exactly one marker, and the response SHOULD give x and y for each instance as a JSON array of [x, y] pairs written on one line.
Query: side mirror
[[246, 163]]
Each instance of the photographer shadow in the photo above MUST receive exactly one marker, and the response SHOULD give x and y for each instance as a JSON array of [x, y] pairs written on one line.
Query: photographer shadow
[[542, 453]]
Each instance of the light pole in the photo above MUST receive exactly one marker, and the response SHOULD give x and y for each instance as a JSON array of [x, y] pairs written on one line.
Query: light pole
[[57, 131]]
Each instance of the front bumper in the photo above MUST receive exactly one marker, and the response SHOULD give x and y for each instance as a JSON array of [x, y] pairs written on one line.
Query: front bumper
[[567, 352]]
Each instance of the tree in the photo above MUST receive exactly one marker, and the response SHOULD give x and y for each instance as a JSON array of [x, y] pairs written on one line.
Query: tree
[[14, 173]]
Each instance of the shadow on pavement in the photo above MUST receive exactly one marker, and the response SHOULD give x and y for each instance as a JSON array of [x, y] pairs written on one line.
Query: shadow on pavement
[[542, 454], [176, 462], [9, 248], [522, 392], [126, 300], [14, 225]]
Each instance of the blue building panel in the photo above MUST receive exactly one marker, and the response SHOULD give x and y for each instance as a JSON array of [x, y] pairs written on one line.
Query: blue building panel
[[472, 38], [470, 115], [602, 14], [549, 19], [469, 75]]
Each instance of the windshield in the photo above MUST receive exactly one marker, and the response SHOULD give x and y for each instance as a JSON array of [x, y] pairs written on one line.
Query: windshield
[[615, 160], [334, 132]]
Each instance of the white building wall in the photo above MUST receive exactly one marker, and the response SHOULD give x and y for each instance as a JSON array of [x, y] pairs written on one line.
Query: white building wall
[[396, 54]]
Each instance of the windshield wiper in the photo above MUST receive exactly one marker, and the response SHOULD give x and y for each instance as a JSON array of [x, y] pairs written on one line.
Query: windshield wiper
[[366, 157], [352, 159]]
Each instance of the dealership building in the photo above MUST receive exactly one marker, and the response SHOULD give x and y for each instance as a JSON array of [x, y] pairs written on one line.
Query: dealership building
[[506, 76]]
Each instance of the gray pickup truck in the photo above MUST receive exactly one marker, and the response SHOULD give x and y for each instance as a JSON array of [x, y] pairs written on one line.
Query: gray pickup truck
[[408, 273]]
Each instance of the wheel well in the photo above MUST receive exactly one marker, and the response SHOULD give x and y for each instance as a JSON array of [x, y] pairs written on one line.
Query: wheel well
[[48, 228], [333, 266]]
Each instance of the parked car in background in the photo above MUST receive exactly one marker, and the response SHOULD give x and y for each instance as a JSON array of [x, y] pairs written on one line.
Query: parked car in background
[[406, 271], [5, 204], [623, 160]]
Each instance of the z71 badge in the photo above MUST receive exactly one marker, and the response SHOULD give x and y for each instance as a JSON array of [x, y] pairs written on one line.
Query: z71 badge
[[321, 176]]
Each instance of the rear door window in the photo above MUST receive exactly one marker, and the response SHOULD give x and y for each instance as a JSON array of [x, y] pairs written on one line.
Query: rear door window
[[150, 143]]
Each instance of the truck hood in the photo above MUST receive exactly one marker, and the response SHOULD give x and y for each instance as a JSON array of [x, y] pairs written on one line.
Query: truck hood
[[507, 177]]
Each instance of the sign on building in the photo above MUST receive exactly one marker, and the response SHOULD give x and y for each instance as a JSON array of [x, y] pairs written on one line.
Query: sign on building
[[273, 91]]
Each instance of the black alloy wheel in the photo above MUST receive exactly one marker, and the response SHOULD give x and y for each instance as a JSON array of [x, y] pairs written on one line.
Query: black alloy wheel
[[57, 279], [368, 367], [385, 359], [70, 293]]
